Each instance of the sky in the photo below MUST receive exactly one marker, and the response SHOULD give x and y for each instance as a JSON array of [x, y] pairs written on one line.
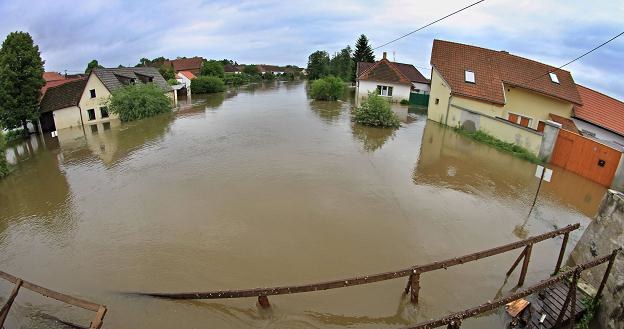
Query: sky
[[71, 33]]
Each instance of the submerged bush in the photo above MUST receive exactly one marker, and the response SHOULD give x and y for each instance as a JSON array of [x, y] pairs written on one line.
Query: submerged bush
[[327, 89], [485, 138], [139, 101], [15, 134], [173, 82], [404, 102], [4, 167], [207, 84], [236, 79], [375, 111]]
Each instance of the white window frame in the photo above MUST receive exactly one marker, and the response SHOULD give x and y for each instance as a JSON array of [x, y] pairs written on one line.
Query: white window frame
[[470, 76], [520, 116], [553, 77], [384, 90]]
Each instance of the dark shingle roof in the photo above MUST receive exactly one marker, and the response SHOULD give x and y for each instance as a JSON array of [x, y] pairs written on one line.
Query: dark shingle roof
[[65, 95], [492, 68], [114, 78]]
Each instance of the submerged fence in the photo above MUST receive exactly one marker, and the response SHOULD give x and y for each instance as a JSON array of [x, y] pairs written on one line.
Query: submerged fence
[[100, 310], [414, 273]]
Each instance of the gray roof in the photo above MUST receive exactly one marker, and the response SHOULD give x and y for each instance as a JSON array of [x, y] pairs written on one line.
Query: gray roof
[[113, 78]]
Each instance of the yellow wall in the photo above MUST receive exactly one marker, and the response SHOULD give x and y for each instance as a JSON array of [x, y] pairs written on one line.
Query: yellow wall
[[67, 117], [86, 102], [534, 105], [440, 91]]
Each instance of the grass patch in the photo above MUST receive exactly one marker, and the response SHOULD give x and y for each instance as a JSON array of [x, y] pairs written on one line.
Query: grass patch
[[485, 138]]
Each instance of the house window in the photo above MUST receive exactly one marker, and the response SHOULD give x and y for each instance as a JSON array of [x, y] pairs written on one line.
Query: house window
[[106, 125], [384, 90], [519, 119], [104, 111], [91, 114], [94, 129], [553, 77], [469, 76], [92, 92]]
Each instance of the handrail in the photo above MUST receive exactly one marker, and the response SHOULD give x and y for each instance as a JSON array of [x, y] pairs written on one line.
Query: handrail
[[261, 293], [100, 310], [456, 318]]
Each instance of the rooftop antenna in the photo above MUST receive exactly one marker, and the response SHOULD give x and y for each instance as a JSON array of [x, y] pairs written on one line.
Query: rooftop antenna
[[394, 56]]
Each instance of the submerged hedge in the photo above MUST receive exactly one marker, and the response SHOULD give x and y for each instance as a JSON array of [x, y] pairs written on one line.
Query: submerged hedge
[[139, 101], [207, 84], [375, 111], [327, 89], [485, 138], [4, 167]]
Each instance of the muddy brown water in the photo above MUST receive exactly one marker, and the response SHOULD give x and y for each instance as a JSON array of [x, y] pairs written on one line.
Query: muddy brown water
[[262, 186]]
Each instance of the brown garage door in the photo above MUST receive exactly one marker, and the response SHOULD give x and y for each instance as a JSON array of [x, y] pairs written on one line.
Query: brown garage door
[[586, 157]]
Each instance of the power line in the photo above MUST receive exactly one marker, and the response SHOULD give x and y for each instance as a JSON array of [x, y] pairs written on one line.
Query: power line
[[425, 26], [576, 59]]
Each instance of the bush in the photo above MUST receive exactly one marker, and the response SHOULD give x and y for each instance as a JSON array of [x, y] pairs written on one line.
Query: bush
[[404, 102], [485, 138], [207, 84], [375, 111], [236, 79], [139, 101], [15, 134], [173, 82], [327, 89], [212, 68], [4, 167]]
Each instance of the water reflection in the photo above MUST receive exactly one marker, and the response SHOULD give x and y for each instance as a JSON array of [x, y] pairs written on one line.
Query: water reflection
[[329, 111], [372, 138]]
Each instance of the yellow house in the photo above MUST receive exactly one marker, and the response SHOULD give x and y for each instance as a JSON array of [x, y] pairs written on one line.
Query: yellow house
[[103, 81], [508, 96]]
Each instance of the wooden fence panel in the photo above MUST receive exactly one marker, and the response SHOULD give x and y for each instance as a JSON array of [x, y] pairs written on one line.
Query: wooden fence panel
[[586, 157]]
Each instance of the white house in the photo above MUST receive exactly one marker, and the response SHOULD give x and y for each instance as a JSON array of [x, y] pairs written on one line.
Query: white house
[[185, 77], [390, 79]]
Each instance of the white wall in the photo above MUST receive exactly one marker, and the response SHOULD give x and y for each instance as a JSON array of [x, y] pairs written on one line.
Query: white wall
[[184, 80], [423, 87], [399, 91], [67, 117], [601, 133]]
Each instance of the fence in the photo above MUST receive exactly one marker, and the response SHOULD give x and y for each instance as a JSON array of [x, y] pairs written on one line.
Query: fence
[[100, 310], [414, 273], [419, 99]]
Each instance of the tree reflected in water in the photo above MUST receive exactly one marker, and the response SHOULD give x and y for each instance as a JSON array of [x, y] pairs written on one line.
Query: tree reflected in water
[[372, 138]]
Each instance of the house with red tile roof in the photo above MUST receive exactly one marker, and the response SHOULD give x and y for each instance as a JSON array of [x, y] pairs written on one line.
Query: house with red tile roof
[[389, 79], [192, 64], [600, 117], [185, 77], [508, 96]]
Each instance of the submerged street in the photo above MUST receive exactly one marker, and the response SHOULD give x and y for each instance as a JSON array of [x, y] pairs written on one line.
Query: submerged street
[[262, 186]]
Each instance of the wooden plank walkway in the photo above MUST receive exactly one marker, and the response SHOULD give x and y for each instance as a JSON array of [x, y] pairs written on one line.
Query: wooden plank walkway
[[550, 302]]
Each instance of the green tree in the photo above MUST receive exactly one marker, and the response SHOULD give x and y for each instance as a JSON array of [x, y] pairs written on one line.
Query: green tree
[[363, 53], [329, 88], [318, 65], [21, 79], [212, 68], [251, 70], [375, 111], [93, 65], [4, 168], [167, 72], [341, 65], [207, 84], [138, 101]]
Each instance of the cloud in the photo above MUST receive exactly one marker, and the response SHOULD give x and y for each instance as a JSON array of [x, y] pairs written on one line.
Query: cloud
[[71, 33]]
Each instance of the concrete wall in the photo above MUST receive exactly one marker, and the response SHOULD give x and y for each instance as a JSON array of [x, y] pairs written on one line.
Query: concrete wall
[[86, 102], [549, 140], [602, 236], [67, 117], [399, 91]]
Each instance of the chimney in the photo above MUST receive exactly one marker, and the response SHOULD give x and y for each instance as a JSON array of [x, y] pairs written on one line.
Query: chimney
[[384, 55]]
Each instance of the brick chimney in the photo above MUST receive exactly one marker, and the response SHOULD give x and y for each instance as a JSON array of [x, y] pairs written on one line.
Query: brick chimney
[[384, 55]]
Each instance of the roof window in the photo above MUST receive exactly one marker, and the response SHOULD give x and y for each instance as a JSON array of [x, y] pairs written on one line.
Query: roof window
[[469, 76], [553, 77]]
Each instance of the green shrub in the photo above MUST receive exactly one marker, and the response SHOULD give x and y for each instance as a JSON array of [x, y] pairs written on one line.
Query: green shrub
[[4, 167], [212, 68], [375, 111], [15, 134], [236, 79], [268, 76], [173, 82], [207, 84], [404, 102], [485, 138], [329, 88], [139, 101]]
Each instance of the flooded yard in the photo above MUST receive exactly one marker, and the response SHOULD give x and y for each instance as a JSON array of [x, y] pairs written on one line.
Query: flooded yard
[[261, 187]]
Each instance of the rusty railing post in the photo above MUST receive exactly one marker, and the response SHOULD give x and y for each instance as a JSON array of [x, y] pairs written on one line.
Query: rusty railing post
[[564, 244], [7, 306], [455, 324], [517, 261], [415, 286], [98, 319], [575, 278], [263, 300], [525, 264], [408, 287], [606, 274]]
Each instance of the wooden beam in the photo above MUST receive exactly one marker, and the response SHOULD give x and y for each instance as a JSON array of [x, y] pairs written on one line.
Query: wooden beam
[[4, 312]]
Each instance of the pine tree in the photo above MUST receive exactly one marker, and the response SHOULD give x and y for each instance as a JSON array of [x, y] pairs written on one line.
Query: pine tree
[[21, 79], [363, 51]]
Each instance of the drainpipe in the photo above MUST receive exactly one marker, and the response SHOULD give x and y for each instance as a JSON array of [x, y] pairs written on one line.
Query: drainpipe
[[448, 107]]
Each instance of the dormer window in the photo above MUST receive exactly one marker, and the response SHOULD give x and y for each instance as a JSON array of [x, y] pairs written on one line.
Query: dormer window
[[469, 76], [553, 77]]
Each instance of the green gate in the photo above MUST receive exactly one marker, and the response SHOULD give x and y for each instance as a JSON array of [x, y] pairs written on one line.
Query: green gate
[[419, 99]]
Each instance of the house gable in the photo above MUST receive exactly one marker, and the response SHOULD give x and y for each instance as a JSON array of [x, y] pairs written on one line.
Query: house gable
[[384, 71]]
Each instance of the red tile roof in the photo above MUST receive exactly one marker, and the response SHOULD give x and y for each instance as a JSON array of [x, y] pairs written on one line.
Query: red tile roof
[[188, 74], [566, 123], [52, 76], [192, 64], [54, 83], [385, 70], [601, 110], [492, 68]]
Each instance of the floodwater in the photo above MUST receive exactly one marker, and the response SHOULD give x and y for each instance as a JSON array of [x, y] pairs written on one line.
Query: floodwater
[[260, 187]]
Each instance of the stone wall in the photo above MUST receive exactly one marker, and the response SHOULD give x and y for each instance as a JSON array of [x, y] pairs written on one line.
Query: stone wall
[[603, 235]]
